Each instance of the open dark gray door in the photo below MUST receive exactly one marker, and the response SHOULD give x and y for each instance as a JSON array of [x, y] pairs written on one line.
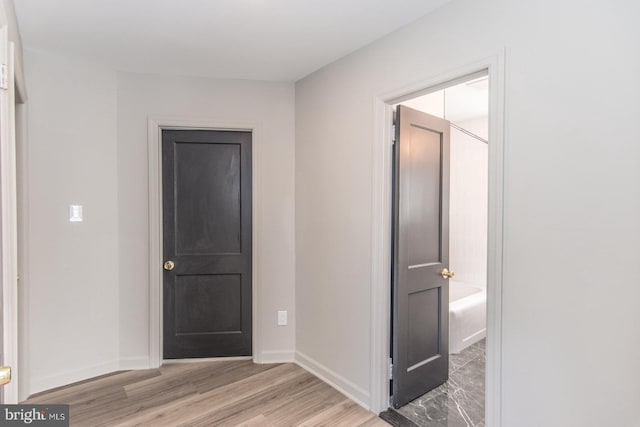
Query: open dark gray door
[[420, 255], [207, 243]]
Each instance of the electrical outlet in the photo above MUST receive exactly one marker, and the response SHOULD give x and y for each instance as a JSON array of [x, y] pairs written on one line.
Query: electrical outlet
[[282, 318]]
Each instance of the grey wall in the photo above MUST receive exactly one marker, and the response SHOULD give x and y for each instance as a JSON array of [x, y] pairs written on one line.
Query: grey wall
[[269, 105], [572, 205], [72, 277], [86, 302]]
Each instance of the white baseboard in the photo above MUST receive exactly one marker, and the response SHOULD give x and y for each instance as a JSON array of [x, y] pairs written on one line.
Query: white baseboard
[[344, 386], [69, 377], [133, 363], [277, 356]]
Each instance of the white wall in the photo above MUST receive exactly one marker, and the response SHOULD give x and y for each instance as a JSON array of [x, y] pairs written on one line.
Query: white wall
[[73, 267], [572, 206], [271, 107], [468, 203]]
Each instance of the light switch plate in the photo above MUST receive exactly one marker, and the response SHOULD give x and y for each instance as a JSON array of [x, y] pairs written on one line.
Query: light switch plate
[[282, 318], [75, 213]]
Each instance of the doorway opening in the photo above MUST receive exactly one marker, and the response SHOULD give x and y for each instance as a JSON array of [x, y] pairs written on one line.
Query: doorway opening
[[380, 374], [157, 255], [439, 254]]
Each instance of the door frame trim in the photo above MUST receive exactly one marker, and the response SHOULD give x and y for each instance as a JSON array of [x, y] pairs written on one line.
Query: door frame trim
[[494, 65], [155, 126], [9, 226]]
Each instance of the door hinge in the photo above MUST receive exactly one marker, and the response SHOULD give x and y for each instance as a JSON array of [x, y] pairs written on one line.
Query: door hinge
[[390, 368], [393, 133], [4, 77]]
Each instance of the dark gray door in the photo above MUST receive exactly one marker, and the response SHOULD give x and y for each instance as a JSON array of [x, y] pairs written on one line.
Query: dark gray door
[[207, 243], [420, 254]]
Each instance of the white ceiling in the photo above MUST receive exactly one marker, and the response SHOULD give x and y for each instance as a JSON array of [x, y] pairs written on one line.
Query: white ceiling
[[279, 40]]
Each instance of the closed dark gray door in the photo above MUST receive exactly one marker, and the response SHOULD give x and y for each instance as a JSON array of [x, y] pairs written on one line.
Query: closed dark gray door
[[421, 251], [207, 243]]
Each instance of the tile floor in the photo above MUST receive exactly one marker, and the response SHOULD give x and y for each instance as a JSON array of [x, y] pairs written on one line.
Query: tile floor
[[457, 403]]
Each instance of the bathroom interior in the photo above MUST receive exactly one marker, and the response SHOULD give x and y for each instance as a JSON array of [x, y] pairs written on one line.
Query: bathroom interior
[[460, 401]]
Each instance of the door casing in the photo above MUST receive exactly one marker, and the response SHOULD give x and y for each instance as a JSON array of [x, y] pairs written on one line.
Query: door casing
[[155, 125], [492, 65], [9, 222]]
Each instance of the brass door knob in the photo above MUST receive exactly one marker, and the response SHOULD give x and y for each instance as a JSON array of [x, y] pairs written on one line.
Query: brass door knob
[[446, 274], [169, 265], [5, 375]]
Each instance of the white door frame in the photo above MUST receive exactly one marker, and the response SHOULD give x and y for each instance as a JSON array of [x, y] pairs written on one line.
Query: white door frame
[[381, 228], [154, 139], [9, 219]]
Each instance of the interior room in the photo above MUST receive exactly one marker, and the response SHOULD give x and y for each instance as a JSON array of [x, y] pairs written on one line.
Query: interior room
[[196, 195]]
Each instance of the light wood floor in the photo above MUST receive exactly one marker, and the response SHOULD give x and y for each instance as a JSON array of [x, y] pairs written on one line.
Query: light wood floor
[[221, 393]]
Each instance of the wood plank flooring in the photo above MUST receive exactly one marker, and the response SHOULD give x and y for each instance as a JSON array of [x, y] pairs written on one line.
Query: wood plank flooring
[[220, 393]]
